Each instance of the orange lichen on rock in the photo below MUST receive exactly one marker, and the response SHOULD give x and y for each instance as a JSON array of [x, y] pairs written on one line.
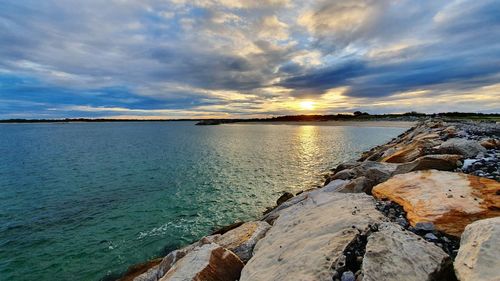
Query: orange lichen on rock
[[449, 200]]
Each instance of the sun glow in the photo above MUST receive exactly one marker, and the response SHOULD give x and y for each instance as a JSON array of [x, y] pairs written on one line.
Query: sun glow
[[307, 105]]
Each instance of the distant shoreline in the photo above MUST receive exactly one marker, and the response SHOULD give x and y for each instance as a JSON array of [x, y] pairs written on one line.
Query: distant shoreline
[[356, 118], [372, 123]]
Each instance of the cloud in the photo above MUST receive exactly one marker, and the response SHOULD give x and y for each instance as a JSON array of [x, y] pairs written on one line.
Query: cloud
[[251, 58]]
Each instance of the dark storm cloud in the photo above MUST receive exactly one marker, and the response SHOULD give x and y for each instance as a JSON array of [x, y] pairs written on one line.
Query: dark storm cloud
[[235, 57], [463, 50]]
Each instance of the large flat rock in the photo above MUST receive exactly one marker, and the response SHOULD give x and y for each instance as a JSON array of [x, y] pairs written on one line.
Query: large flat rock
[[394, 254], [450, 201], [478, 258], [309, 236], [209, 262]]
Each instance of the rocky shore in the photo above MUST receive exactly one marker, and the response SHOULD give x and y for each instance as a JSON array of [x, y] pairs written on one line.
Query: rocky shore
[[425, 206]]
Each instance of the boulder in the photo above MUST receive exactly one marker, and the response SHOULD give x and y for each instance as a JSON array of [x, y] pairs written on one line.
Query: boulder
[[465, 147], [345, 174], [156, 272], [442, 162], [405, 154], [334, 185], [242, 240], [150, 275], [367, 174], [373, 173], [359, 184], [345, 165], [209, 262], [490, 143], [479, 254], [393, 253], [449, 200], [283, 198], [308, 237], [147, 268]]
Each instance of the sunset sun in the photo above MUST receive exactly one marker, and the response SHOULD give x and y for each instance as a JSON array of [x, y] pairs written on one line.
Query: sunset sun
[[307, 105]]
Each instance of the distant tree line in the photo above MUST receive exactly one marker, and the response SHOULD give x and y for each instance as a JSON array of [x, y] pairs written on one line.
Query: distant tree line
[[357, 115]]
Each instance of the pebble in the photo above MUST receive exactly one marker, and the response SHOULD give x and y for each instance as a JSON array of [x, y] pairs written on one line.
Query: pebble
[[348, 276], [401, 221], [425, 226], [431, 237]]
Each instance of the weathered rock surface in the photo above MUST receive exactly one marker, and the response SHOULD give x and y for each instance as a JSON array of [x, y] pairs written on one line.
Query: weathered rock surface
[[490, 143], [242, 240], [365, 175], [408, 152], [334, 185], [409, 145], [478, 258], [396, 254], [357, 185], [145, 269], [465, 147], [209, 262], [150, 275], [156, 272], [449, 200], [309, 236], [442, 162]]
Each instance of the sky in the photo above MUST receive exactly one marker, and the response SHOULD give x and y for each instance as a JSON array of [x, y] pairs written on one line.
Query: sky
[[245, 58]]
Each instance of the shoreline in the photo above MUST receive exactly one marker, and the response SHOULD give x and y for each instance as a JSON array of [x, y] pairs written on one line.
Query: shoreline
[[432, 151], [371, 123]]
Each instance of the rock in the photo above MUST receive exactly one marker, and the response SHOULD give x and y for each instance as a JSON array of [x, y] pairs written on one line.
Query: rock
[[367, 174], [348, 276], [479, 254], [309, 236], [424, 226], [490, 143], [346, 165], [377, 173], [150, 275], [411, 151], [173, 257], [205, 263], [465, 147], [402, 222], [442, 162], [283, 198], [424, 196], [468, 163], [242, 240], [134, 272], [431, 237], [226, 228], [332, 186], [344, 175], [450, 131], [396, 254], [359, 184]]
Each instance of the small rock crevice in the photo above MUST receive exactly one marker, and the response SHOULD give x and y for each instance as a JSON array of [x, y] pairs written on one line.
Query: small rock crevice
[[445, 272], [397, 214], [348, 267]]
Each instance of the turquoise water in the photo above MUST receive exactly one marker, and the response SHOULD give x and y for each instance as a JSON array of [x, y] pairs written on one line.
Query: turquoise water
[[83, 201]]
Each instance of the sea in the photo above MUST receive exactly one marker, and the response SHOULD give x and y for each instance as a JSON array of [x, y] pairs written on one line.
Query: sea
[[84, 201]]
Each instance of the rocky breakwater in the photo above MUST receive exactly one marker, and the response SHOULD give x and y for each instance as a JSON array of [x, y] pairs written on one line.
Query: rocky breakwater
[[425, 206]]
